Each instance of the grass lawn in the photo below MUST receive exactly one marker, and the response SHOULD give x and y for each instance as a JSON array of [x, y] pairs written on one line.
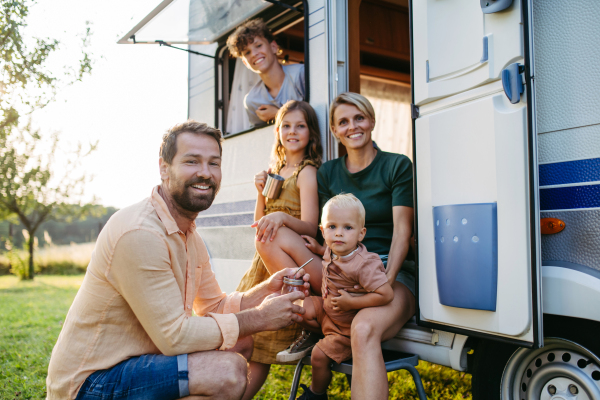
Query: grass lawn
[[31, 316]]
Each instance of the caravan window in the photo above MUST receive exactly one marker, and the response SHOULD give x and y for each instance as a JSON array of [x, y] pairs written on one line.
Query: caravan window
[[235, 80]]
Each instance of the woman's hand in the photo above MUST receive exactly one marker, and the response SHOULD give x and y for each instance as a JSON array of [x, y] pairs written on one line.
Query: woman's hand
[[267, 226], [260, 180], [313, 245], [343, 302]]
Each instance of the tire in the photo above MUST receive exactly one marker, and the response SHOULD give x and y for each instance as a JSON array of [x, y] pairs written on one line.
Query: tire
[[505, 372]]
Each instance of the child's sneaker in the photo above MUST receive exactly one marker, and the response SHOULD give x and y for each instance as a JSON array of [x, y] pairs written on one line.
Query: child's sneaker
[[309, 395], [300, 348]]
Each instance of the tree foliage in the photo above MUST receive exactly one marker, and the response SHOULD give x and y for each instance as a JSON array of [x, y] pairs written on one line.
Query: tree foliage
[[30, 187]]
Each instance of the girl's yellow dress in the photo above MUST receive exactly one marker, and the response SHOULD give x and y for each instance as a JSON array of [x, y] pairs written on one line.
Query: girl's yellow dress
[[268, 344]]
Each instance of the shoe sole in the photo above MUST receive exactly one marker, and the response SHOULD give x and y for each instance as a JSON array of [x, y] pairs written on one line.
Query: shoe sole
[[286, 356]]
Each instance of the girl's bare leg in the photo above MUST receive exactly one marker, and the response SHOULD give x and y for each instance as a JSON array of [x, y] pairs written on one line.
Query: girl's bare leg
[[321, 371], [257, 375], [288, 250], [370, 327]]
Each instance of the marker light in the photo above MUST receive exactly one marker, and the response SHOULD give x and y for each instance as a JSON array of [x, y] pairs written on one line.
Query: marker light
[[551, 225]]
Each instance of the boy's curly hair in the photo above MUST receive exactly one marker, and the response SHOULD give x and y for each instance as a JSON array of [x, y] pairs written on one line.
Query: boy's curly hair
[[245, 34]]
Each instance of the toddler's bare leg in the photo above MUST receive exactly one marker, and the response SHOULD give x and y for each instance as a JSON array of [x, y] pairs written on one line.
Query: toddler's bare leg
[[321, 371], [310, 316]]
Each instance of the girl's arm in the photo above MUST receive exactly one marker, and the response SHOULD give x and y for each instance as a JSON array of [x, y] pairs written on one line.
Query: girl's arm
[[403, 227], [309, 215], [380, 297], [260, 180]]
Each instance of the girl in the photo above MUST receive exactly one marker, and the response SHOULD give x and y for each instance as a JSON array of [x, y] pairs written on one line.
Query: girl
[[296, 157]]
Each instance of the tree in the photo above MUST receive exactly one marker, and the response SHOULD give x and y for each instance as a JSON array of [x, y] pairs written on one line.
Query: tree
[[29, 186], [31, 189]]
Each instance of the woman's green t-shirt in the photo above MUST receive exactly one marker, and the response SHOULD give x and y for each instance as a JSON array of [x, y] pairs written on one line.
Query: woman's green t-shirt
[[385, 183]]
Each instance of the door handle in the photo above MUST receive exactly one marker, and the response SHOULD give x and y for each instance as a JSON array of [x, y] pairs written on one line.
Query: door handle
[[492, 6], [512, 82]]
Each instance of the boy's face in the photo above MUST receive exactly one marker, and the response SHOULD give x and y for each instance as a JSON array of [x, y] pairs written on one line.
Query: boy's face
[[260, 55], [342, 230]]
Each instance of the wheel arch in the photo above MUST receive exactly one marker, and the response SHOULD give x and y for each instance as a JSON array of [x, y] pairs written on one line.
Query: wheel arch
[[570, 290]]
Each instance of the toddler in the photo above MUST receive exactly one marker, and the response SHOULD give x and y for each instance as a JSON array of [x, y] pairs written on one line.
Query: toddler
[[346, 263]]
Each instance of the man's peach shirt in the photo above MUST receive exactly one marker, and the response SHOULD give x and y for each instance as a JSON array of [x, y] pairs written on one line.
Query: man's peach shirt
[[144, 278]]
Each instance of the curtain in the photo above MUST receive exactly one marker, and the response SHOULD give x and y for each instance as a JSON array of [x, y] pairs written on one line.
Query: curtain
[[393, 126], [243, 81]]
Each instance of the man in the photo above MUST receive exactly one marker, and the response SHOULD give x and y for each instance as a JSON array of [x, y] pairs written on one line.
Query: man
[[254, 43], [130, 332]]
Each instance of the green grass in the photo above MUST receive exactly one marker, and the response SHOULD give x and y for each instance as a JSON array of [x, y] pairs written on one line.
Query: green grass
[[31, 316], [32, 313]]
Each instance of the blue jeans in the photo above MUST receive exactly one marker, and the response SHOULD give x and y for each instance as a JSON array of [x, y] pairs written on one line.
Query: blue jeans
[[147, 377]]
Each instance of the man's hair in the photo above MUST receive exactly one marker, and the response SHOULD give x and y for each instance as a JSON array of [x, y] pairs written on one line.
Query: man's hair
[[245, 34], [168, 148], [343, 201], [354, 99]]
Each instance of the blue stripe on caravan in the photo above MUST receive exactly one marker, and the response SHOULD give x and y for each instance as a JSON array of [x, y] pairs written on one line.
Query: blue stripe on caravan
[[570, 172], [571, 197]]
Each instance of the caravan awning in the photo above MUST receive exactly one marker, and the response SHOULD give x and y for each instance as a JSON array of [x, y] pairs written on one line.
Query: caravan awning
[[192, 21]]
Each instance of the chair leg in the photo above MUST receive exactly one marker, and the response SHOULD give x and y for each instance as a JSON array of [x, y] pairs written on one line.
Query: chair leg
[[417, 379], [296, 380], [349, 379]]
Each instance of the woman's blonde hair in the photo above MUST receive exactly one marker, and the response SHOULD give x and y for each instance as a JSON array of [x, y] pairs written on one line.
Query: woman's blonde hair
[[357, 100], [344, 201], [313, 151]]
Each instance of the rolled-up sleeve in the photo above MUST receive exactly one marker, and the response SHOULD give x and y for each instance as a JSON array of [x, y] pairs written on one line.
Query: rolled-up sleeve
[[211, 301], [141, 272]]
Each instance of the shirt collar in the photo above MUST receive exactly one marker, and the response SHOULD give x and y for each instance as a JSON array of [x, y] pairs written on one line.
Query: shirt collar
[[164, 215], [347, 257]]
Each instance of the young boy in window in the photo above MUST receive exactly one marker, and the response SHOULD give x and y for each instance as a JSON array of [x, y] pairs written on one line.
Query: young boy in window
[[254, 43]]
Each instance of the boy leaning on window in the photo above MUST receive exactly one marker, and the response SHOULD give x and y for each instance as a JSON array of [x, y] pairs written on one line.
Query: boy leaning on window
[[254, 43]]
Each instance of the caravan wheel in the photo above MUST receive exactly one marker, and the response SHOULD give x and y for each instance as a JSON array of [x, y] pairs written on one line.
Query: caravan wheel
[[566, 368]]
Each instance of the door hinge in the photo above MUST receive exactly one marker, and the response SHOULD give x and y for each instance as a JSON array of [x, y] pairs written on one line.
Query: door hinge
[[414, 111]]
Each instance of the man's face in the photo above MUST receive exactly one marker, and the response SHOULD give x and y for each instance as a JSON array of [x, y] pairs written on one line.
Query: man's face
[[194, 176], [259, 55]]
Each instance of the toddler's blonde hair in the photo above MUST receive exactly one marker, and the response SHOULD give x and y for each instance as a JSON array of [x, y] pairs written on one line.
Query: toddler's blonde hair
[[345, 200]]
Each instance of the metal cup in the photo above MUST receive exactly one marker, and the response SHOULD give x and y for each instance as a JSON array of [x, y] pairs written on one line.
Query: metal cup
[[273, 186]]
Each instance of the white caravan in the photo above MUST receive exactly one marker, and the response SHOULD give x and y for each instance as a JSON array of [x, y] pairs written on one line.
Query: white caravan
[[497, 103]]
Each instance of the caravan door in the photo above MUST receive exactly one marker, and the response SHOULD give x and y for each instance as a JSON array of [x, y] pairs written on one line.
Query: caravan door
[[477, 217]]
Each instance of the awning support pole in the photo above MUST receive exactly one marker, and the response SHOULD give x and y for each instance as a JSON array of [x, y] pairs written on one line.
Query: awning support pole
[[162, 43]]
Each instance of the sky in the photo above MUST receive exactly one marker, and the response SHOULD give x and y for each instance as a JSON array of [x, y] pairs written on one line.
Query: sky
[[133, 95]]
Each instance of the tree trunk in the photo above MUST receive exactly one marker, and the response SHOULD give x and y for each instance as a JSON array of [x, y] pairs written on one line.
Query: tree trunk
[[31, 245]]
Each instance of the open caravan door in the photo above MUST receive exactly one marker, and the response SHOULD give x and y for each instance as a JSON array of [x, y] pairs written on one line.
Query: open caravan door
[[477, 217]]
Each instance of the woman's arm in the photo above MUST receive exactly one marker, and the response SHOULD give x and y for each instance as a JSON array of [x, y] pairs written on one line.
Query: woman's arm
[[309, 205], [380, 297], [403, 227]]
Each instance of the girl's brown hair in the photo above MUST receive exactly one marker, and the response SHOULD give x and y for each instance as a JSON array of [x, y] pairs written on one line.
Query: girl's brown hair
[[313, 151]]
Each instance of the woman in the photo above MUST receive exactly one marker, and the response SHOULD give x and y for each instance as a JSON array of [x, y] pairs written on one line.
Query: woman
[[383, 182]]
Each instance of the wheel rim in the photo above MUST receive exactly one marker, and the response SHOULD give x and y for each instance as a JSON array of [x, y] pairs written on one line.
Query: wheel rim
[[561, 370]]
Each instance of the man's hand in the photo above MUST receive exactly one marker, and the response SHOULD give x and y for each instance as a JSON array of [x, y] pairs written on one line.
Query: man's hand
[[343, 302], [275, 312], [278, 311], [266, 112], [275, 282]]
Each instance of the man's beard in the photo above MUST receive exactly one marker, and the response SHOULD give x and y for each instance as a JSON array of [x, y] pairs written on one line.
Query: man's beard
[[190, 202]]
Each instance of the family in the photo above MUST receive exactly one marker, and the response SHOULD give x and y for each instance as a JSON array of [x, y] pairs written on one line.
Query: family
[[150, 321]]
